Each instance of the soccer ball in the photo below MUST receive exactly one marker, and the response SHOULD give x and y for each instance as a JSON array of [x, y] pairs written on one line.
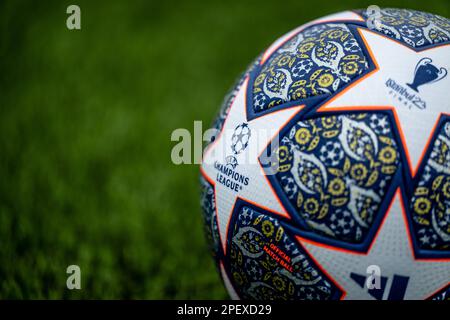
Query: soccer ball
[[330, 175]]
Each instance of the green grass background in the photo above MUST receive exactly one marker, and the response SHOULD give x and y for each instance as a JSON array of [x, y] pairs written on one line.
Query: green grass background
[[85, 123]]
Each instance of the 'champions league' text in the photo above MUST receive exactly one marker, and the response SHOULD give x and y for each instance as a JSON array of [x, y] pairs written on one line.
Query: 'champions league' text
[[229, 177]]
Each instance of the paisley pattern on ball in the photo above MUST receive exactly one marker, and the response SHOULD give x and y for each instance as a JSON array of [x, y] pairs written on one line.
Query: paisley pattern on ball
[[266, 264], [336, 170], [414, 28], [209, 216], [430, 205], [317, 61]]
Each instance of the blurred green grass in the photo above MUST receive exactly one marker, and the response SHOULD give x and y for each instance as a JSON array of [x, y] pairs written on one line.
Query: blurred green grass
[[85, 125]]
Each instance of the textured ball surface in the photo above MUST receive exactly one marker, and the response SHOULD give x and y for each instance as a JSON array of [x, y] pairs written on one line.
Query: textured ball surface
[[333, 160]]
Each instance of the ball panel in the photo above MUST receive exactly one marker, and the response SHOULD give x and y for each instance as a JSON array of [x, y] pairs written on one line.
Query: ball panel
[[414, 28], [266, 264], [430, 205], [208, 205], [335, 171], [317, 61]]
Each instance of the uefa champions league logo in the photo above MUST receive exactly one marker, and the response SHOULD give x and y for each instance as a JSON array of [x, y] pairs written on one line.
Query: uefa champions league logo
[[426, 73], [227, 174], [239, 142], [240, 138], [232, 161]]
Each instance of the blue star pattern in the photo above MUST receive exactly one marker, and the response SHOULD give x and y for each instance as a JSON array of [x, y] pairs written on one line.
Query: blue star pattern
[[335, 171], [317, 61], [209, 216], [430, 205], [266, 264], [414, 28]]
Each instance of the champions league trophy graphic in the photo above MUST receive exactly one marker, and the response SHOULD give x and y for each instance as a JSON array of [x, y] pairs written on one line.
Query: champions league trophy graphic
[[426, 73]]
